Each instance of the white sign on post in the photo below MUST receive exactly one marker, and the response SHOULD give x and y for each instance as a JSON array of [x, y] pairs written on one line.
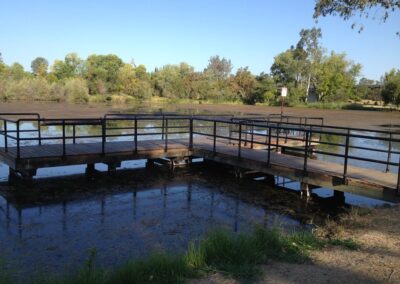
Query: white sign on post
[[284, 92]]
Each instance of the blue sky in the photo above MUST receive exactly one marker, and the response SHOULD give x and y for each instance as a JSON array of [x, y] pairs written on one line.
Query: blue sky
[[159, 32]]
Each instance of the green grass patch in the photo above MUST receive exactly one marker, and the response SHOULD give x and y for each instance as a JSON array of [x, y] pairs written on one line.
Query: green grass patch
[[235, 255], [349, 244]]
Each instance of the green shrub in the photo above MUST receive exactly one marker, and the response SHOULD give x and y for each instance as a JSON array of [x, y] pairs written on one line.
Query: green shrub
[[76, 90]]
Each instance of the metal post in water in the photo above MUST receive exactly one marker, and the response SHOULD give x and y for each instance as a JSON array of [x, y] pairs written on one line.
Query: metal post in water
[[269, 147]]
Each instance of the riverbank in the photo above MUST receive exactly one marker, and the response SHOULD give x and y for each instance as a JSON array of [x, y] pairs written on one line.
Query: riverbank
[[345, 118], [377, 260]]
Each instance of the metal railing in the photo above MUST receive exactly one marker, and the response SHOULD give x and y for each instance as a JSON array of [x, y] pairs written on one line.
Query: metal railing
[[333, 141]]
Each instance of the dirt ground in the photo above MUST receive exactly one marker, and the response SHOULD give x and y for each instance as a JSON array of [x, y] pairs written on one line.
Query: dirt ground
[[377, 261], [349, 118]]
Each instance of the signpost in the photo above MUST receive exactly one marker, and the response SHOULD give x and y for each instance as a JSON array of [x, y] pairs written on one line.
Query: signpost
[[284, 91]]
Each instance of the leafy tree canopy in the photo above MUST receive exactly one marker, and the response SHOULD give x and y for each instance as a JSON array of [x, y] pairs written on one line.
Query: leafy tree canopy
[[346, 9]]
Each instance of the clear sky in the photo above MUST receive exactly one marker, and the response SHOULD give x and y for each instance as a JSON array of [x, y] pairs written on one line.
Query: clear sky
[[159, 32]]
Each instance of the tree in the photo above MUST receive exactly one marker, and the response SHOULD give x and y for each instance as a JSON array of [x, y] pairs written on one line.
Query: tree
[[102, 73], [72, 66], [369, 89], [285, 68], [2, 65], [391, 87], [16, 71], [219, 68], [39, 66], [346, 9], [336, 78], [244, 84], [311, 53]]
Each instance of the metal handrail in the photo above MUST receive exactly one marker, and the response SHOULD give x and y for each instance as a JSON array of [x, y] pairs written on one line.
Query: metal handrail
[[192, 128]]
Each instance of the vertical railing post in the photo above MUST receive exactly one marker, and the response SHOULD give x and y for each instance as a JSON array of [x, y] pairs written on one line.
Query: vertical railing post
[[287, 131], [389, 152], [166, 135], [269, 146], [277, 137], [191, 133], [5, 136], [310, 137], [245, 133], [162, 127], [39, 131], [346, 156], [103, 136], [252, 136], [18, 142], [398, 179], [63, 138], [73, 133], [240, 141], [136, 134], [305, 153], [214, 137]]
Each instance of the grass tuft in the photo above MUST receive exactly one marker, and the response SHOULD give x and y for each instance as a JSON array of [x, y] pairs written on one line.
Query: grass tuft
[[236, 255]]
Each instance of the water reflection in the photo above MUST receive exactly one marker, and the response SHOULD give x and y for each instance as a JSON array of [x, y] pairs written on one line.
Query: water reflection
[[40, 232]]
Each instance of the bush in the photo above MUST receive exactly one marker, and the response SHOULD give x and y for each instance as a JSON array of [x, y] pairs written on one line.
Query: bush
[[77, 91]]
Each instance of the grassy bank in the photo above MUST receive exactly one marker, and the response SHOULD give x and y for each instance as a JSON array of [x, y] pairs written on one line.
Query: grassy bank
[[234, 255]]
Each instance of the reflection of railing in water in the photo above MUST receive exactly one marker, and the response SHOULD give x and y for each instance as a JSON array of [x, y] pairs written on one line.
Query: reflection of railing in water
[[239, 130], [14, 213]]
